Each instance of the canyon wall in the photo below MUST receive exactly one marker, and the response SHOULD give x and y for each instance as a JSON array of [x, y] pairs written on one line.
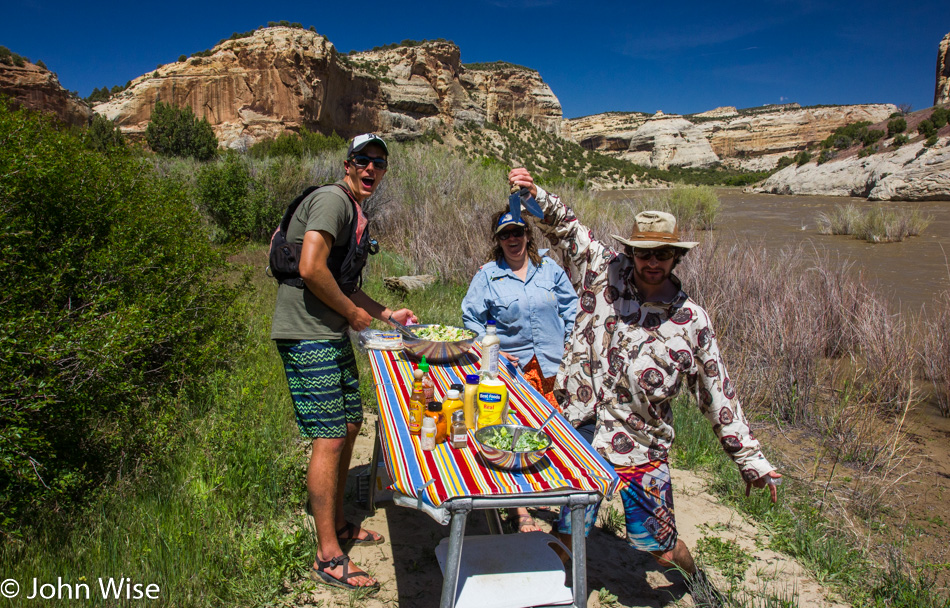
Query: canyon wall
[[284, 79], [37, 88]]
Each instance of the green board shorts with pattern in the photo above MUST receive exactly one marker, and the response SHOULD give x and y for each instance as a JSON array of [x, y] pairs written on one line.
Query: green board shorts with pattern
[[324, 385]]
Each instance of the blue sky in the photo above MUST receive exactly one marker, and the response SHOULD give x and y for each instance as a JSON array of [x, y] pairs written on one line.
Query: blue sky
[[678, 57]]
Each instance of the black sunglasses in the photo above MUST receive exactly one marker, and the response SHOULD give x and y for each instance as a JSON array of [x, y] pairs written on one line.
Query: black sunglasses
[[661, 255], [362, 162], [514, 232]]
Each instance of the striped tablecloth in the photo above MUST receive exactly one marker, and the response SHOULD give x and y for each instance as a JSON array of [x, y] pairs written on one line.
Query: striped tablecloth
[[569, 464]]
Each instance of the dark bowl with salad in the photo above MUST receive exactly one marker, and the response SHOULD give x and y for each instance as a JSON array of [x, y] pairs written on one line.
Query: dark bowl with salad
[[494, 444], [438, 343]]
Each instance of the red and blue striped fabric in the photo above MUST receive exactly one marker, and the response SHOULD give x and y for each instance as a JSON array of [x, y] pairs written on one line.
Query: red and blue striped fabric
[[570, 463]]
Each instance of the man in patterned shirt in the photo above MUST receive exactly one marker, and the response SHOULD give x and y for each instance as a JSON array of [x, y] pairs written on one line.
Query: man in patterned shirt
[[636, 337]]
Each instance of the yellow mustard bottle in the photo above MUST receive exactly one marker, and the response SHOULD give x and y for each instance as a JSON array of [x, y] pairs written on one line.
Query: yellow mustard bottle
[[452, 403], [469, 396], [492, 402]]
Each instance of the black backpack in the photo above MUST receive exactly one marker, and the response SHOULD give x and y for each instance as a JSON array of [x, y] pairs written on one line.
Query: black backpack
[[345, 262]]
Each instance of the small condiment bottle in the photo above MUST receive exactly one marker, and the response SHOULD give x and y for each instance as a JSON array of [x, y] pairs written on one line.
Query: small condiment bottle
[[417, 408], [458, 436], [434, 411], [469, 400], [427, 436], [428, 387], [452, 402]]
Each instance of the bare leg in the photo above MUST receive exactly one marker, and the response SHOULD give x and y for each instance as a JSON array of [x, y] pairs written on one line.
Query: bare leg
[[678, 557], [323, 488], [525, 522]]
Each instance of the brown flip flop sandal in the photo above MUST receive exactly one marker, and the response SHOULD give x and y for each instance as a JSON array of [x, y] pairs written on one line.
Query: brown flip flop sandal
[[352, 536], [342, 582]]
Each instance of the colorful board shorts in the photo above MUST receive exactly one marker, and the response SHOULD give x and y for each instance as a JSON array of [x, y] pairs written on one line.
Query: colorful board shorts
[[324, 385], [647, 495]]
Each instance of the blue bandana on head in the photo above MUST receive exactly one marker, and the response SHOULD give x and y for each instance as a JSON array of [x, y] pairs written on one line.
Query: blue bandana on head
[[507, 220]]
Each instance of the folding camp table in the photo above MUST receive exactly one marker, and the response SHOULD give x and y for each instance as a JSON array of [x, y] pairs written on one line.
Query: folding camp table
[[449, 483]]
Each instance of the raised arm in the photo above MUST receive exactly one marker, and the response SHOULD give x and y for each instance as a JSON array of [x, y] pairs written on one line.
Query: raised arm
[[579, 251]]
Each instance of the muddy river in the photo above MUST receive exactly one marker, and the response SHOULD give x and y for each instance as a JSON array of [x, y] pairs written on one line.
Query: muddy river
[[911, 273]]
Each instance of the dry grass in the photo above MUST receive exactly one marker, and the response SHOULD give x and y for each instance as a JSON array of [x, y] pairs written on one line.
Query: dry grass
[[935, 353]]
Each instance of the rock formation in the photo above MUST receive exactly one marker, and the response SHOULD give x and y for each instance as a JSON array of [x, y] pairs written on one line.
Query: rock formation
[[910, 173], [942, 88], [666, 140], [752, 139], [283, 78], [37, 88]]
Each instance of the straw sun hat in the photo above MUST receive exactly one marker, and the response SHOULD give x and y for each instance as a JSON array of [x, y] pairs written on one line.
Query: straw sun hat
[[652, 229]]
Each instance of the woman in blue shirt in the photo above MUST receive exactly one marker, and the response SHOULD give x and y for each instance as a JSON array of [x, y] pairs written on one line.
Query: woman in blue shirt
[[533, 304]]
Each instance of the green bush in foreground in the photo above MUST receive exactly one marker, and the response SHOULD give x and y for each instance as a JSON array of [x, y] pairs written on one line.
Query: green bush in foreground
[[110, 311]]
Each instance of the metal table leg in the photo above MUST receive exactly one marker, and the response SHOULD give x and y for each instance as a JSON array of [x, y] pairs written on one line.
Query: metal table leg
[[373, 474], [579, 550], [494, 521], [453, 560]]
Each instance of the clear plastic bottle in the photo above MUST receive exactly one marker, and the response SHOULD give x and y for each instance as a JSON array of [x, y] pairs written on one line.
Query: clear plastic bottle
[[469, 398], [491, 347], [427, 437], [417, 408], [428, 387], [458, 435]]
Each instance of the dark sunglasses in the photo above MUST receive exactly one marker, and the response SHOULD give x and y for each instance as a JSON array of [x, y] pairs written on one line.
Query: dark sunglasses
[[514, 232], [661, 255], [362, 162]]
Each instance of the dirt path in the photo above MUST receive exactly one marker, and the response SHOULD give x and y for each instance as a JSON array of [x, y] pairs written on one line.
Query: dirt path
[[410, 577]]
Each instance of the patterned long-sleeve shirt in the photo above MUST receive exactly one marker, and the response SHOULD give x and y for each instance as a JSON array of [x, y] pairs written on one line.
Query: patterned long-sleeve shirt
[[627, 358]]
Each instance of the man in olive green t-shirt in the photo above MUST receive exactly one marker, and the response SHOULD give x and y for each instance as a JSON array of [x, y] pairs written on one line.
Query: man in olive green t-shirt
[[309, 327]]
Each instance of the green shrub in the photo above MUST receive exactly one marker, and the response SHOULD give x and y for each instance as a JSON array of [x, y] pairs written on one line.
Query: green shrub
[[895, 126], [825, 156], [802, 157], [233, 199], [103, 135], [900, 139], [939, 117], [867, 151], [846, 136], [784, 162], [111, 310], [931, 141], [926, 128], [177, 132], [872, 136], [298, 145]]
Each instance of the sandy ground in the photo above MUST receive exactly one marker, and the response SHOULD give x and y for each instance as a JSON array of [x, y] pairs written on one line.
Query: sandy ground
[[409, 573]]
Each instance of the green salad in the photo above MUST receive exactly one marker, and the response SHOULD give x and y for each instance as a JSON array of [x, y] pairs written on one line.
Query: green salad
[[443, 333], [529, 441]]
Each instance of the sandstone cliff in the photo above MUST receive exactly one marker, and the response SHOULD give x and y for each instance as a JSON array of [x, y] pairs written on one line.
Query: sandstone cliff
[[37, 88], [942, 88], [282, 78], [752, 139]]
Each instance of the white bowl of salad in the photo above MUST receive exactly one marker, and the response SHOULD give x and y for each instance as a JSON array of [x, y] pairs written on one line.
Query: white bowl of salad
[[494, 444], [438, 343]]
